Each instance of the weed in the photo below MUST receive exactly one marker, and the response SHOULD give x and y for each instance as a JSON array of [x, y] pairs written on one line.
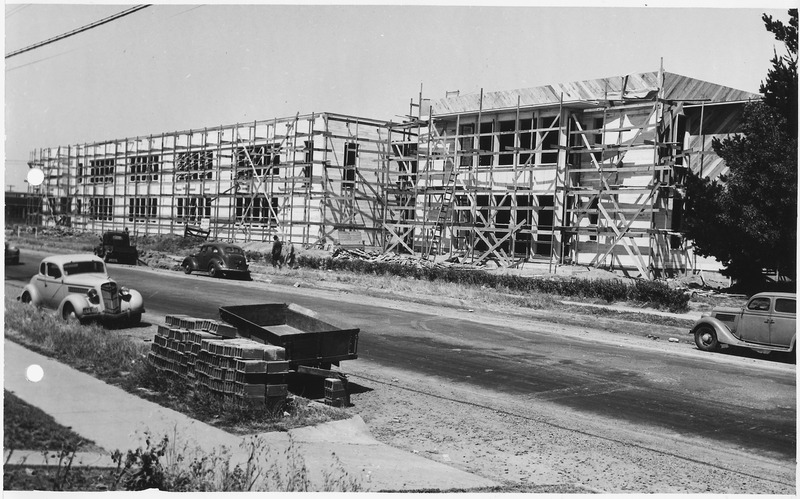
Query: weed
[[88, 347], [167, 465]]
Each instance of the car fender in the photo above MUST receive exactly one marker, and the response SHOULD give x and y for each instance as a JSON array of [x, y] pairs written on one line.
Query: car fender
[[77, 301], [191, 262], [36, 299], [724, 335], [135, 303]]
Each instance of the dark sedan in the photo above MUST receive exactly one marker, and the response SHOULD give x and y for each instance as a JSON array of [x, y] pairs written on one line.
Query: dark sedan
[[12, 254], [219, 260]]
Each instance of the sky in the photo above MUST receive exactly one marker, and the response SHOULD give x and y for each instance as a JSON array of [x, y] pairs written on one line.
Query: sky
[[173, 66]]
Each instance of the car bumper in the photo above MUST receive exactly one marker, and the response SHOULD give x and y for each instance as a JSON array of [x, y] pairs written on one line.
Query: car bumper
[[95, 313]]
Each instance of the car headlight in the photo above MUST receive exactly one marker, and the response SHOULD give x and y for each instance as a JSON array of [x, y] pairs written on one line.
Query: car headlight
[[93, 296], [124, 291]]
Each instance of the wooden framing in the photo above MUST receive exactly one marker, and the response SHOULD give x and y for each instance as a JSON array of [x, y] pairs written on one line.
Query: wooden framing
[[587, 173]]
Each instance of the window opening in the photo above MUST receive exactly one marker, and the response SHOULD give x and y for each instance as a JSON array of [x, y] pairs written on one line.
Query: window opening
[[525, 140], [594, 217], [194, 165], [549, 142], [785, 305], [143, 168], [142, 209], [466, 144], [349, 167], [259, 209], [100, 208], [101, 171], [506, 143], [761, 304], [544, 225], [486, 144]]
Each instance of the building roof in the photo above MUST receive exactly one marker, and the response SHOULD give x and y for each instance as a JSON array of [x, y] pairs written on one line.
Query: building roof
[[616, 88]]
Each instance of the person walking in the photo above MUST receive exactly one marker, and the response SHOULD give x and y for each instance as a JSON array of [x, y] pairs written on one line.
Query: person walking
[[290, 255], [277, 252]]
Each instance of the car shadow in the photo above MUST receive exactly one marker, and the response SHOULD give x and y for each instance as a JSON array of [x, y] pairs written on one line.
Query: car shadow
[[113, 326], [313, 387], [746, 353]]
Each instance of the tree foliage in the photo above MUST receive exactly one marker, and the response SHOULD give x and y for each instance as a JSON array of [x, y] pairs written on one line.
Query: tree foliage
[[748, 218]]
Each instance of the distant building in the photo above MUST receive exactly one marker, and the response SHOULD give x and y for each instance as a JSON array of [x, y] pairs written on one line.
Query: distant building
[[23, 208], [587, 172]]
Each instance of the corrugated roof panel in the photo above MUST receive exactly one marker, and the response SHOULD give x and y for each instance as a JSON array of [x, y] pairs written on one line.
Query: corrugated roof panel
[[676, 87]]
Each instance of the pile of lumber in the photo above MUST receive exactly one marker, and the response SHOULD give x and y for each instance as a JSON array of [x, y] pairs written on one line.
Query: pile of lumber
[[401, 259]]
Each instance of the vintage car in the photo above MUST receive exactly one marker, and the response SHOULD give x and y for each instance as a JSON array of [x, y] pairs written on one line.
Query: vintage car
[[219, 259], [766, 323], [115, 246], [78, 286], [12, 254]]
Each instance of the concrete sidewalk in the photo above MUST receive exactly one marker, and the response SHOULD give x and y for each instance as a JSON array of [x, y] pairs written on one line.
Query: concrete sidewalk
[[117, 420]]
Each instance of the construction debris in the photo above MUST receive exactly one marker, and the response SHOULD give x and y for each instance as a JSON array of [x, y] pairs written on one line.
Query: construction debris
[[401, 259]]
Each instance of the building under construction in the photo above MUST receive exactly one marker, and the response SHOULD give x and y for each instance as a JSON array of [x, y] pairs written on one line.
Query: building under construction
[[587, 173]]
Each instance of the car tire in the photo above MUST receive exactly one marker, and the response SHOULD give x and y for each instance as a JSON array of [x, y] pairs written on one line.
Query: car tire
[[187, 269], [706, 338], [213, 271], [68, 312], [26, 297]]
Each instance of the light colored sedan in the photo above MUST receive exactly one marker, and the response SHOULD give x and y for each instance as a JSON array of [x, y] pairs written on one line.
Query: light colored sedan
[[78, 286], [766, 323]]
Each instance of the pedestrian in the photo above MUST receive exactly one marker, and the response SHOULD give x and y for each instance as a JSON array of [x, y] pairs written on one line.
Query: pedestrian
[[277, 250], [290, 255]]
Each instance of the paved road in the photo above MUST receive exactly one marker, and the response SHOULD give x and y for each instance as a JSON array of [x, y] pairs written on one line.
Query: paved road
[[745, 406]]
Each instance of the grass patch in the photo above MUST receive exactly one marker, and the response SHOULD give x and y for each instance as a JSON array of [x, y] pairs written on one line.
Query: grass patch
[[26, 427], [89, 347], [168, 465]]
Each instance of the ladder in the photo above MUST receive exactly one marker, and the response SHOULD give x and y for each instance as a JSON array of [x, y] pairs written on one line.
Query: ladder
[[433, 243]]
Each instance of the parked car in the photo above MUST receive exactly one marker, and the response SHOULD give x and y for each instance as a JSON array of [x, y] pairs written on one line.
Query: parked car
[[12, 254], [219, 259], [78, 286], [116, 247], [765, 323]]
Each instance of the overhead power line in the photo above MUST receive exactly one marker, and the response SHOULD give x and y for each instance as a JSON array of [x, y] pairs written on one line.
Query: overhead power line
[[78, 30]]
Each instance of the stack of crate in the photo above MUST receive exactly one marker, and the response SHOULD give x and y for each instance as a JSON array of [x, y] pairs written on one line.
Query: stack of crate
[[208, 354], [243, 371], [336, 393]]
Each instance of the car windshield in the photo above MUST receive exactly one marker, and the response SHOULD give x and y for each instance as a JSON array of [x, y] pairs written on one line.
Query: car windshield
[[88, 267], [234, 250]]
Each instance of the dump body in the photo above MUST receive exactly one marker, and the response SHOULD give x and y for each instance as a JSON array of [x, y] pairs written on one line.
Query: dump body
[[308, 340]]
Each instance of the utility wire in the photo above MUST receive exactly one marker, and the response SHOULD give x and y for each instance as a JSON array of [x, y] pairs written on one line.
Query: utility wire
[[79, 30], [13, 11]]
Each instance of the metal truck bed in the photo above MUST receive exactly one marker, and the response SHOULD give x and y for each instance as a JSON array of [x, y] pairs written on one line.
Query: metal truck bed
[[308, 340]]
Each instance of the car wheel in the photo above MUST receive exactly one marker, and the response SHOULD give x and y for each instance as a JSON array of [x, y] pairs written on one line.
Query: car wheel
[[213, 271], [68, 313], [187, 269], [706, 339], [26, 297]]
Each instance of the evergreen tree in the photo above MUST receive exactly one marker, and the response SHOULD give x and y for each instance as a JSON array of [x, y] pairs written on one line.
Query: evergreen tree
[[748, 218]]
